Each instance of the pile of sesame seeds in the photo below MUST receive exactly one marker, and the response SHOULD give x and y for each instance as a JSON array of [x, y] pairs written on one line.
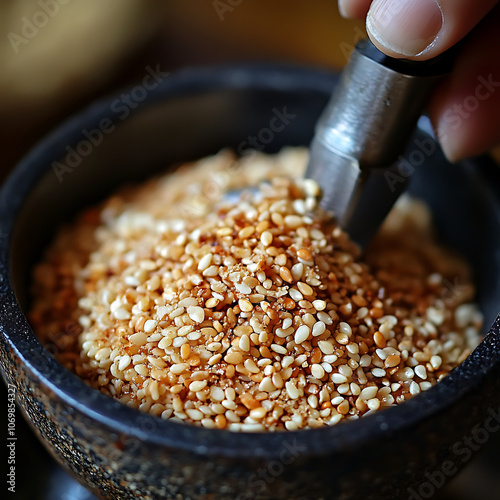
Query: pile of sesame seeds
[[254, 315]]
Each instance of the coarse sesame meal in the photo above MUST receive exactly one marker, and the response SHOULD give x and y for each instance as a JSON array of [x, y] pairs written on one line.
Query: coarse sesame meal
[[256, 313]]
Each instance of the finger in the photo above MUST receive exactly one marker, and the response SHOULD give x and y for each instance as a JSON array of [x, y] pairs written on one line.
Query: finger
[[354, 8], [465, 110], [421, 29]]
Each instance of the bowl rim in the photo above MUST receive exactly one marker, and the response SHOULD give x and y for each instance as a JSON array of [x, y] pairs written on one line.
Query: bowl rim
[[53, 377]]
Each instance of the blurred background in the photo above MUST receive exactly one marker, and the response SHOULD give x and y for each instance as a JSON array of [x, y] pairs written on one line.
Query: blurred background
[[57, 56]]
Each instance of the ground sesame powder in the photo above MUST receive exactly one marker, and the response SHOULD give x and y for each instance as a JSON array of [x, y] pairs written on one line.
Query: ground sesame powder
[[252, 315]]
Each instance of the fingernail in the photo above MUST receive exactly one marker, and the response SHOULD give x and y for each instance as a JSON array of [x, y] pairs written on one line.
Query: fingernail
[[406, 27]]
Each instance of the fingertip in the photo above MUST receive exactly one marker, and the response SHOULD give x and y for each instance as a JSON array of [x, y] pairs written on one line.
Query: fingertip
[[465, 109], [354, 9], [467, 123], [344, 8]]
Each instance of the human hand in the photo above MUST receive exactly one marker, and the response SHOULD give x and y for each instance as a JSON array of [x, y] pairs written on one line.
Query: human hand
[[465, 109]]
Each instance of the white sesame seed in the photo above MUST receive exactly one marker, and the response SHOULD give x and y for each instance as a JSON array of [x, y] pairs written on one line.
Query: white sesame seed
[[197, 385], [373, 404], [291, 390], [266, 238], [338, 378], [421, 372], [124, 362], [150, 325], [138, 338], [302, 334], [262, 309], [194, 414], [345, 328], [266, 385], [326, 347], [318, 329], [178, 368], [242, 288], [436, 362], [319, 305], [244, 343], [205, 262], [414, 388], [196, 313], [278, 348], [216, 393], [368, 393], [293, 221], [121, 314], [317, 371]]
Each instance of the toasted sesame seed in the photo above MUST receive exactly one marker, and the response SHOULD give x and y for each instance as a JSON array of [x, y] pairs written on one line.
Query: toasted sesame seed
[[267, 385], [293, 221], [212, 302], [266, 238], [326, 347], [194, 414], [245, 305], [178, 368], [197, 385], [258, 413], [233, 357], [318, 329], [305, 288], [392, 361], [246, 232], [345, 328], [250, 316], [304, 254], [317, 371], [286, 275], [138, 338], [250, 365], [319, 305]]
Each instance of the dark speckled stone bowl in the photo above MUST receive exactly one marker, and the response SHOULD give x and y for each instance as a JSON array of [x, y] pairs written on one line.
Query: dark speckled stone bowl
[[404, 452]]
